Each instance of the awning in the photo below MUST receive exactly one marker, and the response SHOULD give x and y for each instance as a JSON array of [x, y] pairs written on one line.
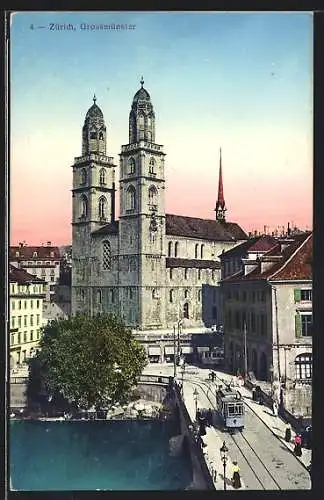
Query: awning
[[203, 349], [187, 349], [154, 351], [169, 350]]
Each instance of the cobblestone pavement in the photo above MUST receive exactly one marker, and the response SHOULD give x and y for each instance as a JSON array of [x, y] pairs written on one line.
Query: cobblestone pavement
[[265, 459]]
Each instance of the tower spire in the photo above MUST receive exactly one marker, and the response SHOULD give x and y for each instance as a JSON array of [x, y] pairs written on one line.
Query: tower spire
[[94, 98], [142, 81], [220, 208]]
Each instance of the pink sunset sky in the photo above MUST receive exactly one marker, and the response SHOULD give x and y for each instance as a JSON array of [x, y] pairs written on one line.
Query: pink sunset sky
[[259, 113]]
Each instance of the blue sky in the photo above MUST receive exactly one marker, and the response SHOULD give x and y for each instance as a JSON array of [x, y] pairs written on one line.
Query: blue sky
[[242, 81]]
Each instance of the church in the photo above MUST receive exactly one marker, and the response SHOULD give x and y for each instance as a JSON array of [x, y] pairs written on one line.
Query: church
[[151, 268]]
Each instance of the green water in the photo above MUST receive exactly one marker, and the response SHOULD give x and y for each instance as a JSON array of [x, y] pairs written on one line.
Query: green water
[[113, 455]]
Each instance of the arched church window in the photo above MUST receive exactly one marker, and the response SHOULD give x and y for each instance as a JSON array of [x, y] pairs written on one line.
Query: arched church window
[[102, 177], [171, 296], [152, 166], [152, 196], [99, 296], [131, 166], [186, 294], [83, 176], [84, 207], [102, 207], [93, 134], [186, 273], [176, 249], [170, 249], [101, 135], [106, 256], [82, 294], [131, 198], [196, 251], [186, 310], [202, 251]]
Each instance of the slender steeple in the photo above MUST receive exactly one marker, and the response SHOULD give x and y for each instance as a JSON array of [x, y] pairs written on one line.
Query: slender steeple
[[220, 208]]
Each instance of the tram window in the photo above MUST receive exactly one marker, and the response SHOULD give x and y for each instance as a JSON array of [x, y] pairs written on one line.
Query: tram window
[[231, 409]]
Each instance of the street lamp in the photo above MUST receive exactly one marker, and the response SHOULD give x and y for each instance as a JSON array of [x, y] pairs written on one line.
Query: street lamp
[[223, 452], [195, 394], [182, 373]]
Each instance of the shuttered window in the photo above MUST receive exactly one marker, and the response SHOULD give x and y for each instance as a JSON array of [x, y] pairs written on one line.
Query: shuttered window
[[298, 330], [297, 295]]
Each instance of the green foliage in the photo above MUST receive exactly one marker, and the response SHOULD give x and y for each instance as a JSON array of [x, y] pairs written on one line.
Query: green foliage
[[78, 358]]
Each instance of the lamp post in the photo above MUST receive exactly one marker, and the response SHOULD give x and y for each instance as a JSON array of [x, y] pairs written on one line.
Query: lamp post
[[195, 394], [174, 353], [223, 452], [182, 373]]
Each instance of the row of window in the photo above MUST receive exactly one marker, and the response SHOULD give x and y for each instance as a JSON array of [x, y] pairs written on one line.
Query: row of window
[[16, 338], [14, 289], [18, 324], [23, 304], [246, 319], [304, 324], [132, 166], [173, 250], [39, 263], [35, 254], [244, 296], [186, 295], [84, 177], [303, 295], [200, 273]]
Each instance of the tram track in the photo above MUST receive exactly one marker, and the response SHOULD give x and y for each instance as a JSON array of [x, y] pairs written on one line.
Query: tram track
[[256, 465]]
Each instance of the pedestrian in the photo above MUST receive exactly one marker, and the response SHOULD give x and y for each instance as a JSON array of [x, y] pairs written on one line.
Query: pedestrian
[[253, 394], [288, 433], [236, 478], [297, 449], [275, 408]]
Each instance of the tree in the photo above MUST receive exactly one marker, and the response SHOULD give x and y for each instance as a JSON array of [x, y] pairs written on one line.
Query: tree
[[90, 360]]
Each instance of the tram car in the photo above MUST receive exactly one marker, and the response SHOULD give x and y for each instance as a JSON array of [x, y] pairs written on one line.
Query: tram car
[[230, 408]]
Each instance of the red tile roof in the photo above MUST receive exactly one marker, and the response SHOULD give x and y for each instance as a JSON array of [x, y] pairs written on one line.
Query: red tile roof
[[295, 264], [205, 229], [256, 244], [299, 264], [21, 277], [263, 244], [26, 253], [191, 227]]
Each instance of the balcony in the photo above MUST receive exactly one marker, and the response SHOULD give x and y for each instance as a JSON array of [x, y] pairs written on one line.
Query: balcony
[[107, 160], [141, 144]]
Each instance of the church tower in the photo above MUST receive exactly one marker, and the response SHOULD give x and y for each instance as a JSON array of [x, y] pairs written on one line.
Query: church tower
[[220, 208], [93, 203], [142, 219]]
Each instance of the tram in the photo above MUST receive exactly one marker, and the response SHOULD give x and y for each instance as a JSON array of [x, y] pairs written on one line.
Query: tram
[[230, 407]]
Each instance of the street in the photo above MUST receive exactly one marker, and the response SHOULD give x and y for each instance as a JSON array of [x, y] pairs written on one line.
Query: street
[[264, 459]]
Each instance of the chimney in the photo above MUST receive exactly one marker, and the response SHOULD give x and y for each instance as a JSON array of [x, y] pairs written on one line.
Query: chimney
[[49, 243], [21, 244], [288, 229]]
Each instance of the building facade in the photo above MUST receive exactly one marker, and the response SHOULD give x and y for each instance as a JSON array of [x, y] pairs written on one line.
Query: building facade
[[267, 308], [27, 293], [151, 268], [43, 262]]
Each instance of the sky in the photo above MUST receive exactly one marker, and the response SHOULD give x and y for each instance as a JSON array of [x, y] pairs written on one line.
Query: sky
[[239, 81]]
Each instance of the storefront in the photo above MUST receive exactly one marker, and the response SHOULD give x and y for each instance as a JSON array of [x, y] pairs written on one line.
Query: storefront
[[154, 354]]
